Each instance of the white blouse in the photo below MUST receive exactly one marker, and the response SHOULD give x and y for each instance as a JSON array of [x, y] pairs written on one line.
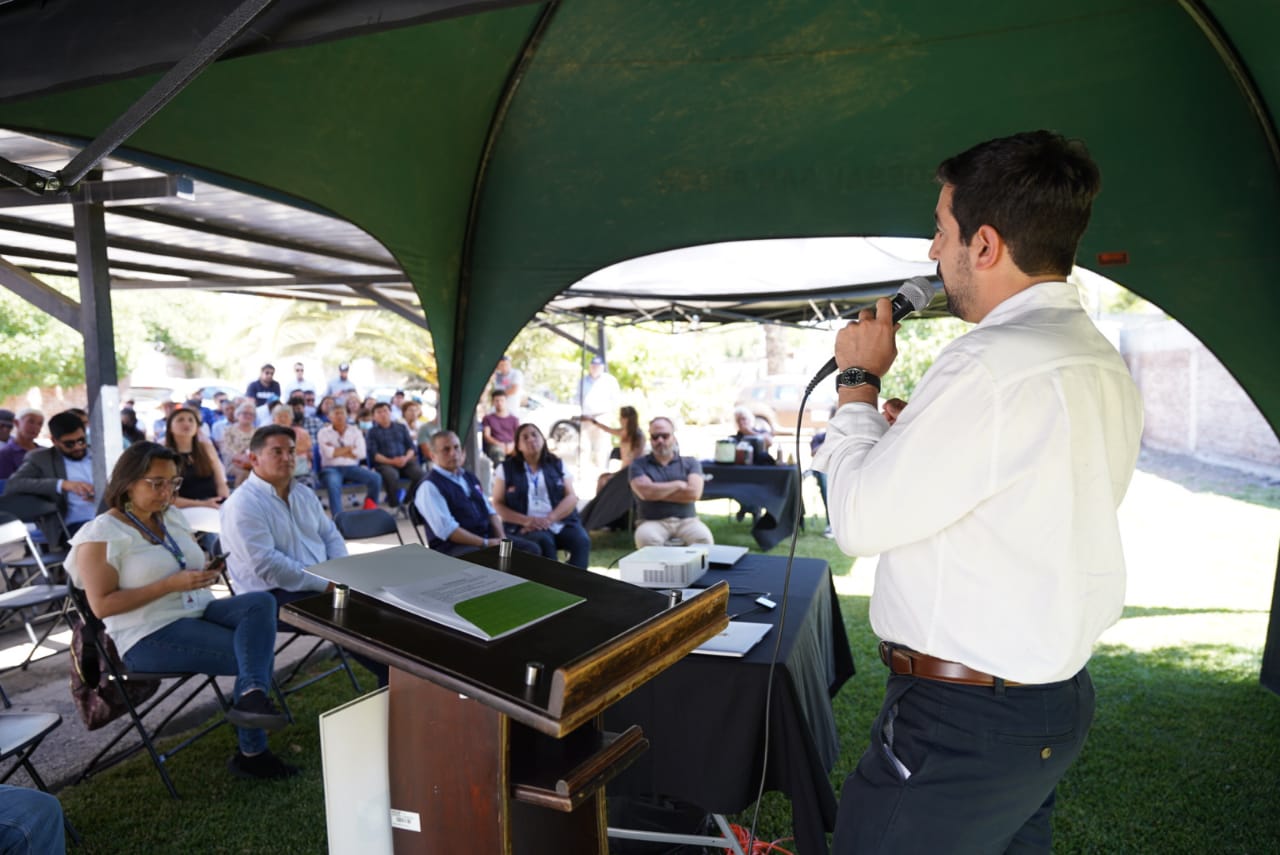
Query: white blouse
[[139, 562]]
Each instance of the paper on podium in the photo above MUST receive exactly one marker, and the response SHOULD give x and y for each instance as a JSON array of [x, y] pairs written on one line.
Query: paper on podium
[[478, 601]]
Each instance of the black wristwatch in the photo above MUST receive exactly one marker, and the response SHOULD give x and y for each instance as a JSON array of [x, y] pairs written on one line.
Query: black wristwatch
[[851, 377]]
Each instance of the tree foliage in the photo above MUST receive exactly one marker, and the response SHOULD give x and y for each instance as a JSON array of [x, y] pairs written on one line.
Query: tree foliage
[[38, 350]]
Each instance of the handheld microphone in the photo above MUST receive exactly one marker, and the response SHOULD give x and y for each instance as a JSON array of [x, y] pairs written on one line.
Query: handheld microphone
[[914, 295]]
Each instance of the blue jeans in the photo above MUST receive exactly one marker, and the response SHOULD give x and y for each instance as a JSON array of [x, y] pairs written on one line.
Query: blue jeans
[[235, 637], [573, 537], [30, 822], [335, 476]]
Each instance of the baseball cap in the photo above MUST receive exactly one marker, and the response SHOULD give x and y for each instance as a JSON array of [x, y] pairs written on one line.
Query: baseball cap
[[6, 417], [595, 360], [504, 358], [344, 366]]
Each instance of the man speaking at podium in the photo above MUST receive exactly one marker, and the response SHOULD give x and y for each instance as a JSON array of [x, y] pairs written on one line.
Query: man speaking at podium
[[992, 503]]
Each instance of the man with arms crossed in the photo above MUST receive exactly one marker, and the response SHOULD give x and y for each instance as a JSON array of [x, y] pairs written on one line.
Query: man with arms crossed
[[992, 504], [667, 486], [275, 528]]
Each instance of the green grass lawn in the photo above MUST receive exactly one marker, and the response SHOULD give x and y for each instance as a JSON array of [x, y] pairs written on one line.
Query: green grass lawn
[[1182, 757]]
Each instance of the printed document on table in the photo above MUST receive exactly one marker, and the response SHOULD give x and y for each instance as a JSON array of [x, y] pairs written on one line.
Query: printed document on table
[[479, 601]]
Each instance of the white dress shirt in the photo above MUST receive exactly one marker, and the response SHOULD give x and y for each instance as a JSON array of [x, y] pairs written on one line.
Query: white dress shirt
[[273, 542], [328, 439], [992, 500]]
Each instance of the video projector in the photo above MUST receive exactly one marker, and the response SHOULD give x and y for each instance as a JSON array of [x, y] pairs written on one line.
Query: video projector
[[664, 566]]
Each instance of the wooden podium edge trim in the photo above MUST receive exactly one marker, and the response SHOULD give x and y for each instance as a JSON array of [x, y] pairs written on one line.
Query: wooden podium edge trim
[[589, 685], [589, 776]]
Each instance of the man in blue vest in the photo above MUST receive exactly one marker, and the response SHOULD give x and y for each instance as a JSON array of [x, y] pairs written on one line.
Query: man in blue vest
[[460, 518]]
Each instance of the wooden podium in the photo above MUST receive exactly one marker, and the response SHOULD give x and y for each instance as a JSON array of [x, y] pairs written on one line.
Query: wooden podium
[[481, 762]]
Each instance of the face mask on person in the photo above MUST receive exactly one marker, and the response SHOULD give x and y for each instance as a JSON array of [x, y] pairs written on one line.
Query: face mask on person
[[365, 425]]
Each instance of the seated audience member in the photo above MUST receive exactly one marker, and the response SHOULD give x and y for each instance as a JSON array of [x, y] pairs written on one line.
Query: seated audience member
[[499, 429], [392, 452], [235, 442], [451, 500], [534, 496], [309, 404], [129, 430], [274, 529], [760, 440], [30, 422], [31, 822], [146, 578], [307, 421], [892, 409], [283, 416], [667, 485], [226, 415], [412, 418], [204, 482], [341, 450], [327, 403], [364, 419], [158, 427], [6, 425], [397, 406], [62, 474]]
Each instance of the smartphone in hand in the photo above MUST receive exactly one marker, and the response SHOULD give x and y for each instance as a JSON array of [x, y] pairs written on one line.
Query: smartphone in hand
[[218, 562]]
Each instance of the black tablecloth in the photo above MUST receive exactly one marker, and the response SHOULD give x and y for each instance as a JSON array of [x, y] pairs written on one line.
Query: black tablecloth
[[704, 717], [769, 493]]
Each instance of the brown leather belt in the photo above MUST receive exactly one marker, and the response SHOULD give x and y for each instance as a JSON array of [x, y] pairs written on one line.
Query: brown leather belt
[[905, 661]]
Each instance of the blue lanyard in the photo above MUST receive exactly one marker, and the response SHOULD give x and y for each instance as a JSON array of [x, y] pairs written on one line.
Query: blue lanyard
[[166, 541], [533, 480]]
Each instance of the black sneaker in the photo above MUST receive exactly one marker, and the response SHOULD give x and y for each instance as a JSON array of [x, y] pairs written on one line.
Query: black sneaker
[[260, 767], [255, 710]]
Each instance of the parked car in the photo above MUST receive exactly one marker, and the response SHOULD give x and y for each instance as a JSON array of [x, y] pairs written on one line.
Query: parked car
[[558, 423], [775, 401]]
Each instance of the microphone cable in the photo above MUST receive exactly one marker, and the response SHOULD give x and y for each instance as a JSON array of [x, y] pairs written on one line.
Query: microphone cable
[[914, 295], [797, 521]]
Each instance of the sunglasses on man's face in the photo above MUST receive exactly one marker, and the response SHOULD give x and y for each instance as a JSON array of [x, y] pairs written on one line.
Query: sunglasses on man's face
[[658, 436], [73, 443]]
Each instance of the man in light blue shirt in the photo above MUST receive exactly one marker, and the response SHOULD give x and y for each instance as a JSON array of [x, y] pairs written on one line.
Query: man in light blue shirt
[[459, 516], [274, 530]]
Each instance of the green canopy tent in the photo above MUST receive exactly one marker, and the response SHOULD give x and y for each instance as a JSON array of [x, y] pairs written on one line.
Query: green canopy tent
[[502, 151]]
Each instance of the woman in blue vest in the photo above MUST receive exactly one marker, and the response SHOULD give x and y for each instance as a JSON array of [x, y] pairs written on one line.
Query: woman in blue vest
[[534, 496]]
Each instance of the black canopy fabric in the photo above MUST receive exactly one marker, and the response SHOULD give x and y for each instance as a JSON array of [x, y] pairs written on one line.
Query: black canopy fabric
[[500, 152]]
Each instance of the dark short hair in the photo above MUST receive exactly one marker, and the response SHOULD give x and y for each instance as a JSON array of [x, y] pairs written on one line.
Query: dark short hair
[[497, 393], [381, 405], [265, 367], [1035, 188], [64, 423], [264, 433], [444, 432], [133, 464], [296, 399]]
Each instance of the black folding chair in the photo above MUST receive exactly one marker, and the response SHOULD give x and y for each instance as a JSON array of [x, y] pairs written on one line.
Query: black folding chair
[[20, 736], [94, 634], [35, 598]]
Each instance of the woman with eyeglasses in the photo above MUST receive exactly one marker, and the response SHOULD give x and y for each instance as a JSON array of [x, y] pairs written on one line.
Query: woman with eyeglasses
[[534, 496], [204, 481], [146, 579], [235, 442]]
